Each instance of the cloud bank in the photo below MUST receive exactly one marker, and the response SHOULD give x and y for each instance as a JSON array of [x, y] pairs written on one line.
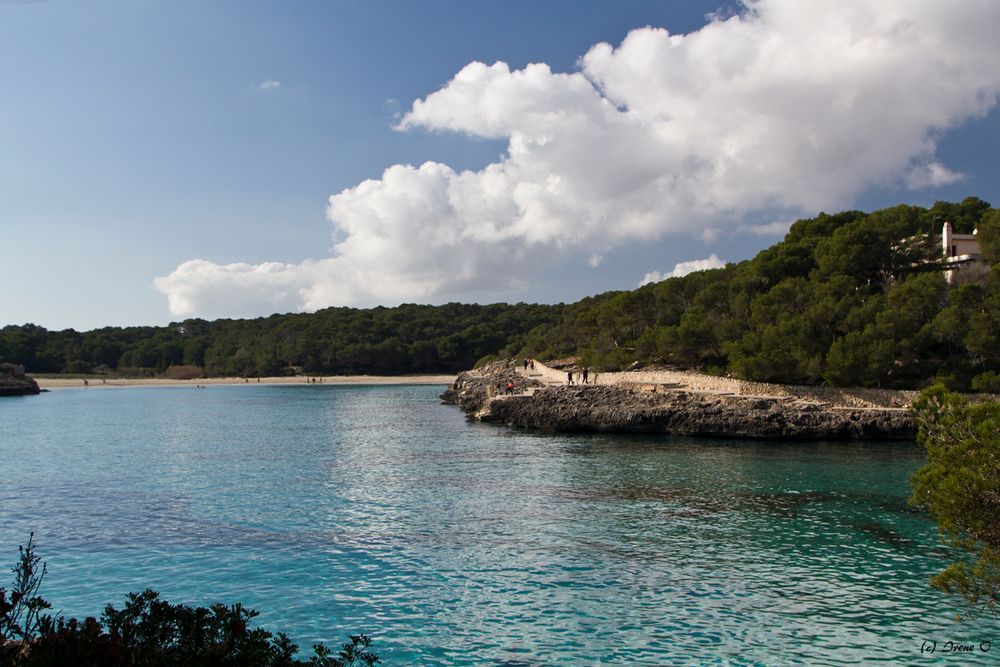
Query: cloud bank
[[684, 268], [788, 106]]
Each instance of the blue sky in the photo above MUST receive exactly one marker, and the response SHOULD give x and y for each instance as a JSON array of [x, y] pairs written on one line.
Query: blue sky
[[136, 137]]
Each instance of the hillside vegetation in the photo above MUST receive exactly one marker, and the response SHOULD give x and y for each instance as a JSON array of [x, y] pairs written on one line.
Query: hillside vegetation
[[850, 299], [388, 341]]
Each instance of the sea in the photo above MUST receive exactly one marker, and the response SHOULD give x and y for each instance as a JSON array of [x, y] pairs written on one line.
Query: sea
[[336, 510]]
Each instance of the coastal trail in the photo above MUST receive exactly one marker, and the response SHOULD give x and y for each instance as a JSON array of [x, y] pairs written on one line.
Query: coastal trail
[[661, 380]]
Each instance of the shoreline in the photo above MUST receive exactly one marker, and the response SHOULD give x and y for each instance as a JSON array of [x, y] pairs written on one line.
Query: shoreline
[[106, 383], [677, 403]]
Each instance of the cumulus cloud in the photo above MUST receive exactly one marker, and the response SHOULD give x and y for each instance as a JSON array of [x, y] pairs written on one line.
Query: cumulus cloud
[[931, 174], [239, 289], [684, 268], [786, 106], [269, 85]]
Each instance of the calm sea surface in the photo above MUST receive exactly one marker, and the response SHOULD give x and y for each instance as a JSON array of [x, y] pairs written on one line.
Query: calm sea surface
[[376, 509]]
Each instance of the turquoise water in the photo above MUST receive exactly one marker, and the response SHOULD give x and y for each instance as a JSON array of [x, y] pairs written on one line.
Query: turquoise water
[[345, 509]]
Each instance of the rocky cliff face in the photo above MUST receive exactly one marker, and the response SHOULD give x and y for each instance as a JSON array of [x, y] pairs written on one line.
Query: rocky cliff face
[[11, 385], [651, 409], [474, 389]]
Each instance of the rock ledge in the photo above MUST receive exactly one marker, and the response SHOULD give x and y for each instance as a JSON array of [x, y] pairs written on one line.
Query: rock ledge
[[651, 408], [13, 381]]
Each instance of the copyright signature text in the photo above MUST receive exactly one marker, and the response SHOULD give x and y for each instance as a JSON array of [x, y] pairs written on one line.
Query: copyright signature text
[[950, 646]]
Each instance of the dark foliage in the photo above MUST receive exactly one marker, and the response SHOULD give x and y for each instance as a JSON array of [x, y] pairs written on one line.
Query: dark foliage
[[22, 608], [146, 631], [850, 299], [387, 341], [960, 485]]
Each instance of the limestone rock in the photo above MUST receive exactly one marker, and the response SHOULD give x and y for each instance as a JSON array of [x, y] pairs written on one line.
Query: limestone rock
[[13, 381], [633, 408]]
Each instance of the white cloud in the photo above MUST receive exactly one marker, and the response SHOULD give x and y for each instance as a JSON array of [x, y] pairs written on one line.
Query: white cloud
[[269, 85], [684, 268], [791, 106], [931, 174], [776, 228], [653, 277], [238, 290], [595, 261]]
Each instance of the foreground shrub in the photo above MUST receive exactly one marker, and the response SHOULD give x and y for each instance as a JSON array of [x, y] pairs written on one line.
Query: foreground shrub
[[146, 631], [960, 485]]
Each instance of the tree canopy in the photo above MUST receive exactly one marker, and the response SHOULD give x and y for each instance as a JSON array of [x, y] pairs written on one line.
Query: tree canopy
[[848, 299], [389, 341], [960, 485]]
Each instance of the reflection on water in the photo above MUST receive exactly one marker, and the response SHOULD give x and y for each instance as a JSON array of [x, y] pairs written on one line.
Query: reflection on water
[[343, 509]]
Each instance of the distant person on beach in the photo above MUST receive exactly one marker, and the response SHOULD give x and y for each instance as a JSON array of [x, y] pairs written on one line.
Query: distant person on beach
[[585, 371], [532, 364], [525, 364], [569, 377]]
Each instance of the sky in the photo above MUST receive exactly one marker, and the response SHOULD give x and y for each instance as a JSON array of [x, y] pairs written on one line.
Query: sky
[[167, 159]]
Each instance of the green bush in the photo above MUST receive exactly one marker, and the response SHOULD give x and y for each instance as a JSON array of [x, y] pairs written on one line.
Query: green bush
[[146, 631], [960, 486], [988, 382]]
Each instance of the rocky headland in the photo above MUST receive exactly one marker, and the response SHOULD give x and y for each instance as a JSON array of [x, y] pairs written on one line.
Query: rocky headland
[[13, 381], [678, 403]]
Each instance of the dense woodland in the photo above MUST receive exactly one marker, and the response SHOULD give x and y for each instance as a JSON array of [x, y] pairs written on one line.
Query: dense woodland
[[850, 299], [388, 341]]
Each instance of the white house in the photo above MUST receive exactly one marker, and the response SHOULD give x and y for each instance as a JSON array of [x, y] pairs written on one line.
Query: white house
[[961, 252]]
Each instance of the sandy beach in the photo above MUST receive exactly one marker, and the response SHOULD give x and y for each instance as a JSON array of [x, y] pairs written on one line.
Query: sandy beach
[[99, 383]]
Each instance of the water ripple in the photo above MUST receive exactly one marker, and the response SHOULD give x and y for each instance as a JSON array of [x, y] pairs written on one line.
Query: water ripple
[[345, 509]]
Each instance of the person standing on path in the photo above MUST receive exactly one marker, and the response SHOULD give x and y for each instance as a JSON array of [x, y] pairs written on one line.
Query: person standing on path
[[569, 378]]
